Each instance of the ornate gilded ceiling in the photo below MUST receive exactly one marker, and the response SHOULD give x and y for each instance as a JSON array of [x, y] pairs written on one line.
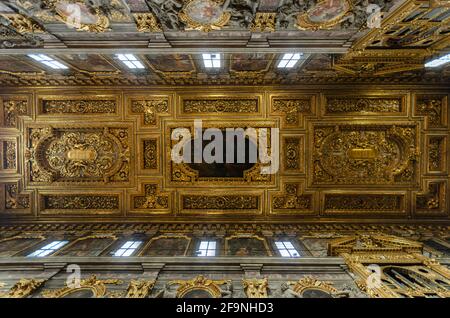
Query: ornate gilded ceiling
[[105, 154]]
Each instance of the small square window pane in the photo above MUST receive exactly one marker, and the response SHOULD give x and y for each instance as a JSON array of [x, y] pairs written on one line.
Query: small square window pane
[[128, 252], [291, 63], [201, 253], [203, 245], [288, 245], [279, 244], [136, 244], [138, 64], [119, 252], [211, 253], [284, 253], [212, 245], [130, 57], [129, 64], [127, 244]]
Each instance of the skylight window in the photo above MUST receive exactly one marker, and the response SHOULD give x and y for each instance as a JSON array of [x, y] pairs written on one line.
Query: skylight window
[[286, 249], [130, 61], [289, 60], [48, 249], [211, 60], [438, 61], [207, 248], [47, 60], [128, 248]]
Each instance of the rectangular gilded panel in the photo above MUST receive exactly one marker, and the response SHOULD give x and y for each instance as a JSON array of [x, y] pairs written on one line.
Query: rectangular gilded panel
[[433, 200], [8, 153], [292, 109], [221, 203], [79, 154], [365, 105], [368, 203], [235, 104], [434, 108], [437, 154], [12, 108], [365, 154], [88, 104], [79, 203], [293, 154]]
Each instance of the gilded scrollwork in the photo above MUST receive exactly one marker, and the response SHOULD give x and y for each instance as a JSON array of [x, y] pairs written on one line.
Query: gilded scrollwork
[[12, 110], [151, 109], [434, 200], [364, 203], [96, 286], [23, 288], [147, 22], [222, 105], [23, 24], [436, 153], [365, 154], [68, 106], [80, 202], [9, 155], [309, 282], [264, 22], [293, 153], [150, 147], [292, 199], [220, 202], [85, 154], [140, 288], [342, 105], [432, 107], [210, 286], [291, 109], [256, 287], [14, 199], [152, 199]]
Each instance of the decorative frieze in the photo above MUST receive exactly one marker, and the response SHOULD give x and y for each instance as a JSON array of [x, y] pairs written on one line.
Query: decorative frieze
[[363, 105]]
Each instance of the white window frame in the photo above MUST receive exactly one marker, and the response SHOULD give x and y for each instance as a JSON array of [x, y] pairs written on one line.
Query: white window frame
[[48, 249], [131, 61], [207, 248], [48, 61], [127, 249], [289, 60], [211, 62], [286, 249]]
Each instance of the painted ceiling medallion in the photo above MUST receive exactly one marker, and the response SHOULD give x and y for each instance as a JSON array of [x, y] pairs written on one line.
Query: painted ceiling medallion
[[204, 15], [325, 15], [79, 16]]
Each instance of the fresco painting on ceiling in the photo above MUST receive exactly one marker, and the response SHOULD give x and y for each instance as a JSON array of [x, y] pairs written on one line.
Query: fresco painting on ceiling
[[242, 62], [89, 62], [204, 12], [172, 62], [169, 246], [246, 246], [75, 14], [328, 10], [87, 247]]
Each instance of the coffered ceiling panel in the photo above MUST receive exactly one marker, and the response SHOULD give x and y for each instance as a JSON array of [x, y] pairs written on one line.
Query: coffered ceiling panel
[[105, 154]]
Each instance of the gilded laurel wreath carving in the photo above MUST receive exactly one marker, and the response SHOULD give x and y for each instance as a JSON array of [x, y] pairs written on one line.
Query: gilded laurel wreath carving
[[79, 154], [364, 154]]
